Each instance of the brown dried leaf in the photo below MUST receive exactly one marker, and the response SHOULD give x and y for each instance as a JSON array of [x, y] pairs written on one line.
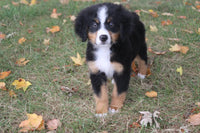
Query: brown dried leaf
[[157, 53], [21, 62], [3, 86], [3, 75], [167, 22], [12, 93], [53, 124], [64, 2], [54, 14], [194, 119], [182, 17]]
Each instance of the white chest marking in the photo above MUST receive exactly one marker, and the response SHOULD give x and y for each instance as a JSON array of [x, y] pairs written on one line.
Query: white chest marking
[[103, 61]]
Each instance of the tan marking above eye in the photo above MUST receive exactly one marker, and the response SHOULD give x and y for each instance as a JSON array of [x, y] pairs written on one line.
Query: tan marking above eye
[[92, 37], [117, 67], [96, 20], [109, 20]]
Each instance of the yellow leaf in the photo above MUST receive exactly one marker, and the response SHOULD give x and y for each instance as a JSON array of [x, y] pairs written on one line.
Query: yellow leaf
[[175, 48], [3, 75], [12, 93], [21, 62], [46, 42], [34, 122], [153, 28], [21, 40], [180, 70], [151, 94], [24, 2], [53, 29], [21, 83], [3, 86], [33, 2], [78, 60]]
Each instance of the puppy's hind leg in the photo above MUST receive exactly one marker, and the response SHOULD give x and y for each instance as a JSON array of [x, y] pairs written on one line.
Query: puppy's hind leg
[[141, 59]]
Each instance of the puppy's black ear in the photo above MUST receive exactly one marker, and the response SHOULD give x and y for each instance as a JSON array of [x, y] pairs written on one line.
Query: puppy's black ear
[[81, 25], [126, 23]]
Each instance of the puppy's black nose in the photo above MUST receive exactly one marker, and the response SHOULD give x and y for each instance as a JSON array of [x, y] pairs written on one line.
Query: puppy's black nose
[[103, 38]]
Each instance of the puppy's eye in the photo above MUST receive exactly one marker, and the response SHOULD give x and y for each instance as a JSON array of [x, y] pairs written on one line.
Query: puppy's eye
[[94, 25], [111, 25]]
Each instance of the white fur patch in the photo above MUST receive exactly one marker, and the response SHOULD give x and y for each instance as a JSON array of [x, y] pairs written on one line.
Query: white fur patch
[[102, 15], [103, 60]]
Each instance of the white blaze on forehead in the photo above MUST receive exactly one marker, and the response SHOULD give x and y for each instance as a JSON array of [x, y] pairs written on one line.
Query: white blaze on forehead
[[102, 15]]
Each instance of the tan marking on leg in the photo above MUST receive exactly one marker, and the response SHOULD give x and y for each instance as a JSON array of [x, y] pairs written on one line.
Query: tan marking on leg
[[114, 36], [141, 65], [102, 100], [117, 99], [92, 37], [92, 67], [117, 67]]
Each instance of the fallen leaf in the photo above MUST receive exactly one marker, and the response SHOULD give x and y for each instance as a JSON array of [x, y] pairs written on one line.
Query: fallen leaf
[[174, 39], [182, 17], [167, 14], [194, 119], [15, 3], [21, 83], [24, 2], [155, 115], [198, 6], [21, 40], [134, 67], [198, 104], [146, 118], [148, 71], [72, 18], [2, 36], [64, 2], [188, 31], [34, 122], [151, 94], [156, 52], [21, 62], [46, 42], [3, 75], [135, 125], [138, 12], [3, 86], [12, 93], [167, 22], [180, 70], [53, 124], [179, 48], [187, 3], [53, 29], [54, 13], [33, 2], [153, 28], [78, 60], [175, 48], [153, 13], [184, 49]]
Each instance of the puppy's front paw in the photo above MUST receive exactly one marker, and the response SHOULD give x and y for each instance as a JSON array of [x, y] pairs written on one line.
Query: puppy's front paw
[[101, 115], [141, 76], [113, 111]]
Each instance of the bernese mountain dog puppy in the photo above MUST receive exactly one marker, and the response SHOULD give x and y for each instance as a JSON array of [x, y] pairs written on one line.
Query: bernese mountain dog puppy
[[115, 37]]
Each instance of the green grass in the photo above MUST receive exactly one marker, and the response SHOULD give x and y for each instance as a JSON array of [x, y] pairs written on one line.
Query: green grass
[[176, 94]]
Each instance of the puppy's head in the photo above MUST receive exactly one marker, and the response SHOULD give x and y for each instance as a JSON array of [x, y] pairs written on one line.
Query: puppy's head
[[103, 24]]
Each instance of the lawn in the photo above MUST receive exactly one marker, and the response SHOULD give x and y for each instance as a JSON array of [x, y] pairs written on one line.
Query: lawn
[[50, 67]]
